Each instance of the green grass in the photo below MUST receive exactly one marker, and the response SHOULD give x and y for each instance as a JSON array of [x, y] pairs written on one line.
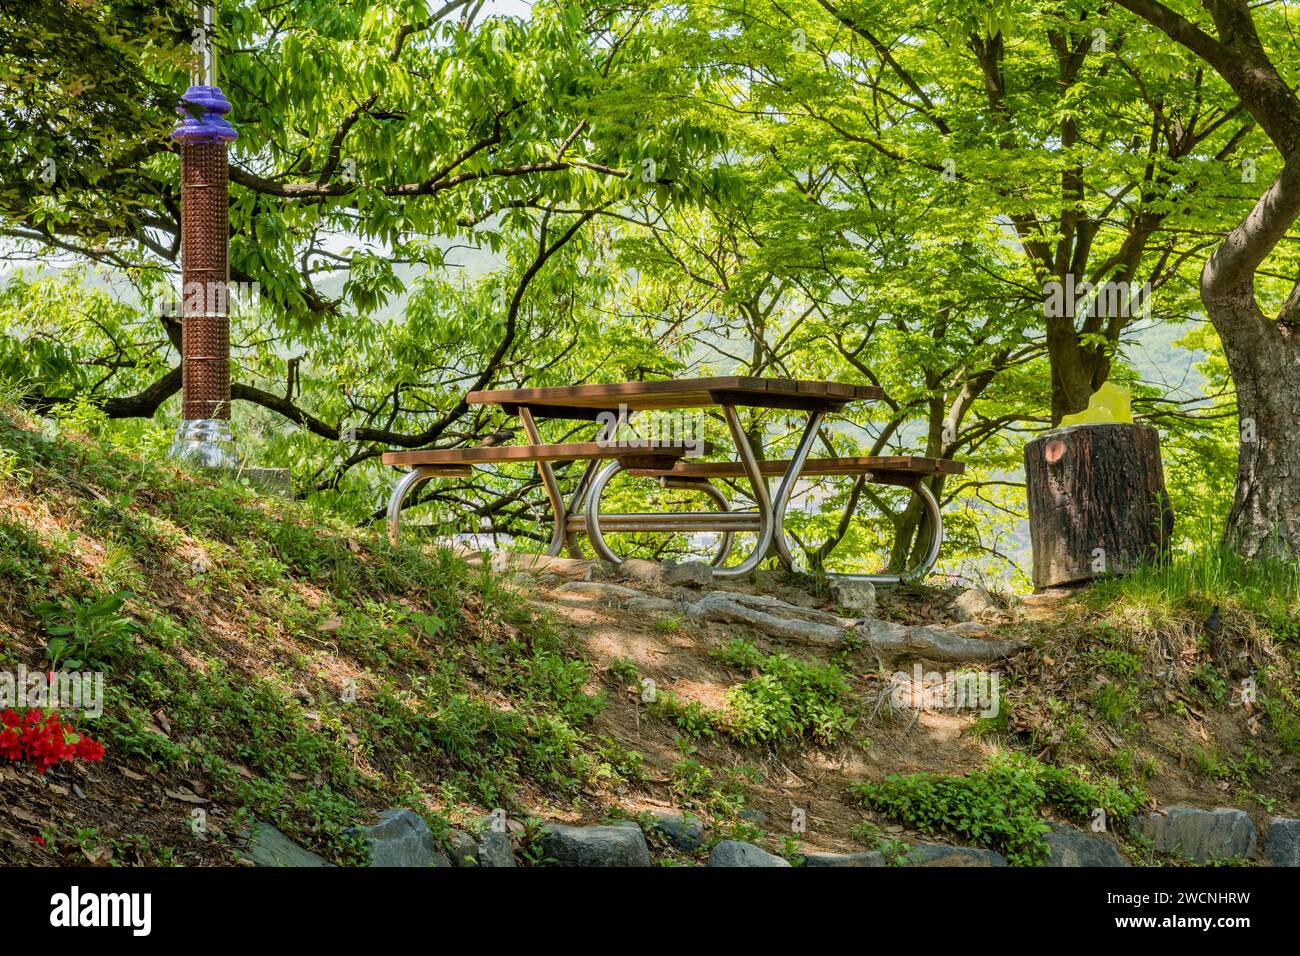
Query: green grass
[[1208, 575]]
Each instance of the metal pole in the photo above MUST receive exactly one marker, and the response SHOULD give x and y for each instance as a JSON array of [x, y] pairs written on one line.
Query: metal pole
[[204, 437]]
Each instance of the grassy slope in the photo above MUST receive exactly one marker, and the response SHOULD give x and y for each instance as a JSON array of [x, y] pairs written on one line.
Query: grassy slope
[[257, 620], [237, 686]]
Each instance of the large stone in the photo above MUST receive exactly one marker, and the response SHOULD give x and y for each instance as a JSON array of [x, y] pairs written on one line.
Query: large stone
[[1198, 835], [494, 847], [461, 848], [1070, 847], [600, 591], [1282, 842], [402, 838], [694, 573], [973, 604], [654, 606], [738, 853], [870, 858], [934, 854], [685, 833], [641, 571], [856, 597], [617, 845], [267, 846], [569, 569], [920, 854]]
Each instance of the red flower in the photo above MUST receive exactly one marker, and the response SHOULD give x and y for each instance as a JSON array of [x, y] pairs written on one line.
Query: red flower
[[43, 740], [87, 749]]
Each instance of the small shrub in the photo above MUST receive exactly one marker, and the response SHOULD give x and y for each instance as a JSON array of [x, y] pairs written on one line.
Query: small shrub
[[998, 806]]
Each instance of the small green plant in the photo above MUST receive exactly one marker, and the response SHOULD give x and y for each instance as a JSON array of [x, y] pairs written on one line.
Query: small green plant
[[1282, 709], [895, 852], [1208, 679], [625, 671], [690, 717], [690, 777], [1114, 705], [792, 850], [866, 833], [90, 634], [1123, 664], [789, 699], [737, 653]]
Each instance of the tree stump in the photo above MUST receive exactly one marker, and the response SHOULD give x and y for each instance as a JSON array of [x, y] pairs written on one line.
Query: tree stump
[[1097, 501]]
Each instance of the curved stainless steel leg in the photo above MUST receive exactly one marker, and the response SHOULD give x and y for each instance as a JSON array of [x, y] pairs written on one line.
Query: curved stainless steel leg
[[577, 500], [922, 567], [550, 483], [759, 486], [592, 512], [719, 499], [400, 491], [786, 488]]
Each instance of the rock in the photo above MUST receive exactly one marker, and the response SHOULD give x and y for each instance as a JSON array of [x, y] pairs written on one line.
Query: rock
[[872, 858], [617, 845], [402, 838], [685, 833], [856, 597], [494, 847], [934, 854], [461, 848], [570, 569], [693, 573], [600, 590], [973, 604], [654, 605], [969, 629], [641, 571], [267, 846], [1197, 835], [920, 854], [933, 643], [1070, 847], [753, 816], [738, 853], [1282, 842], [773, 617]]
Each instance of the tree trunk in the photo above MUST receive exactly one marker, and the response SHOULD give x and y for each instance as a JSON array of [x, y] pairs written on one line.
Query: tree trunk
[[1097, 501], [1264, 358]]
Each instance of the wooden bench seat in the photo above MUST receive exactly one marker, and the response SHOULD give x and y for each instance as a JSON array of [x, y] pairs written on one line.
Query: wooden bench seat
[[888, 469], [639, 454]]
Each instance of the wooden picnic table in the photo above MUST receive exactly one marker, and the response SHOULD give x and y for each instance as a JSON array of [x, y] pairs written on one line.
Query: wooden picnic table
[[612, 404]]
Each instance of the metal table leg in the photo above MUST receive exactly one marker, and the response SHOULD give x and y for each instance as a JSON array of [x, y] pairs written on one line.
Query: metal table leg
[[786, 489], [918, 571], [549, 482], [402, 489], [759, 486]]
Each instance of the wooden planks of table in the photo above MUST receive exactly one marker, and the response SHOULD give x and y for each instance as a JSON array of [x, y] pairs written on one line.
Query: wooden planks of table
[[611, 405]]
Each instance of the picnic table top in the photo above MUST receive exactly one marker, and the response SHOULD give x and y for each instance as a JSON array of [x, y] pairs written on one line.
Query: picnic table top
[[587, 401]]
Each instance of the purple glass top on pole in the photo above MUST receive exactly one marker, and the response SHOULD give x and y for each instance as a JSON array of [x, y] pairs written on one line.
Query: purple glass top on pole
[[203, 120]]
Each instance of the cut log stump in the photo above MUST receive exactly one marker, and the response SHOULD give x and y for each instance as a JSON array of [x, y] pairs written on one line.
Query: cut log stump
[[1097, 501]]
